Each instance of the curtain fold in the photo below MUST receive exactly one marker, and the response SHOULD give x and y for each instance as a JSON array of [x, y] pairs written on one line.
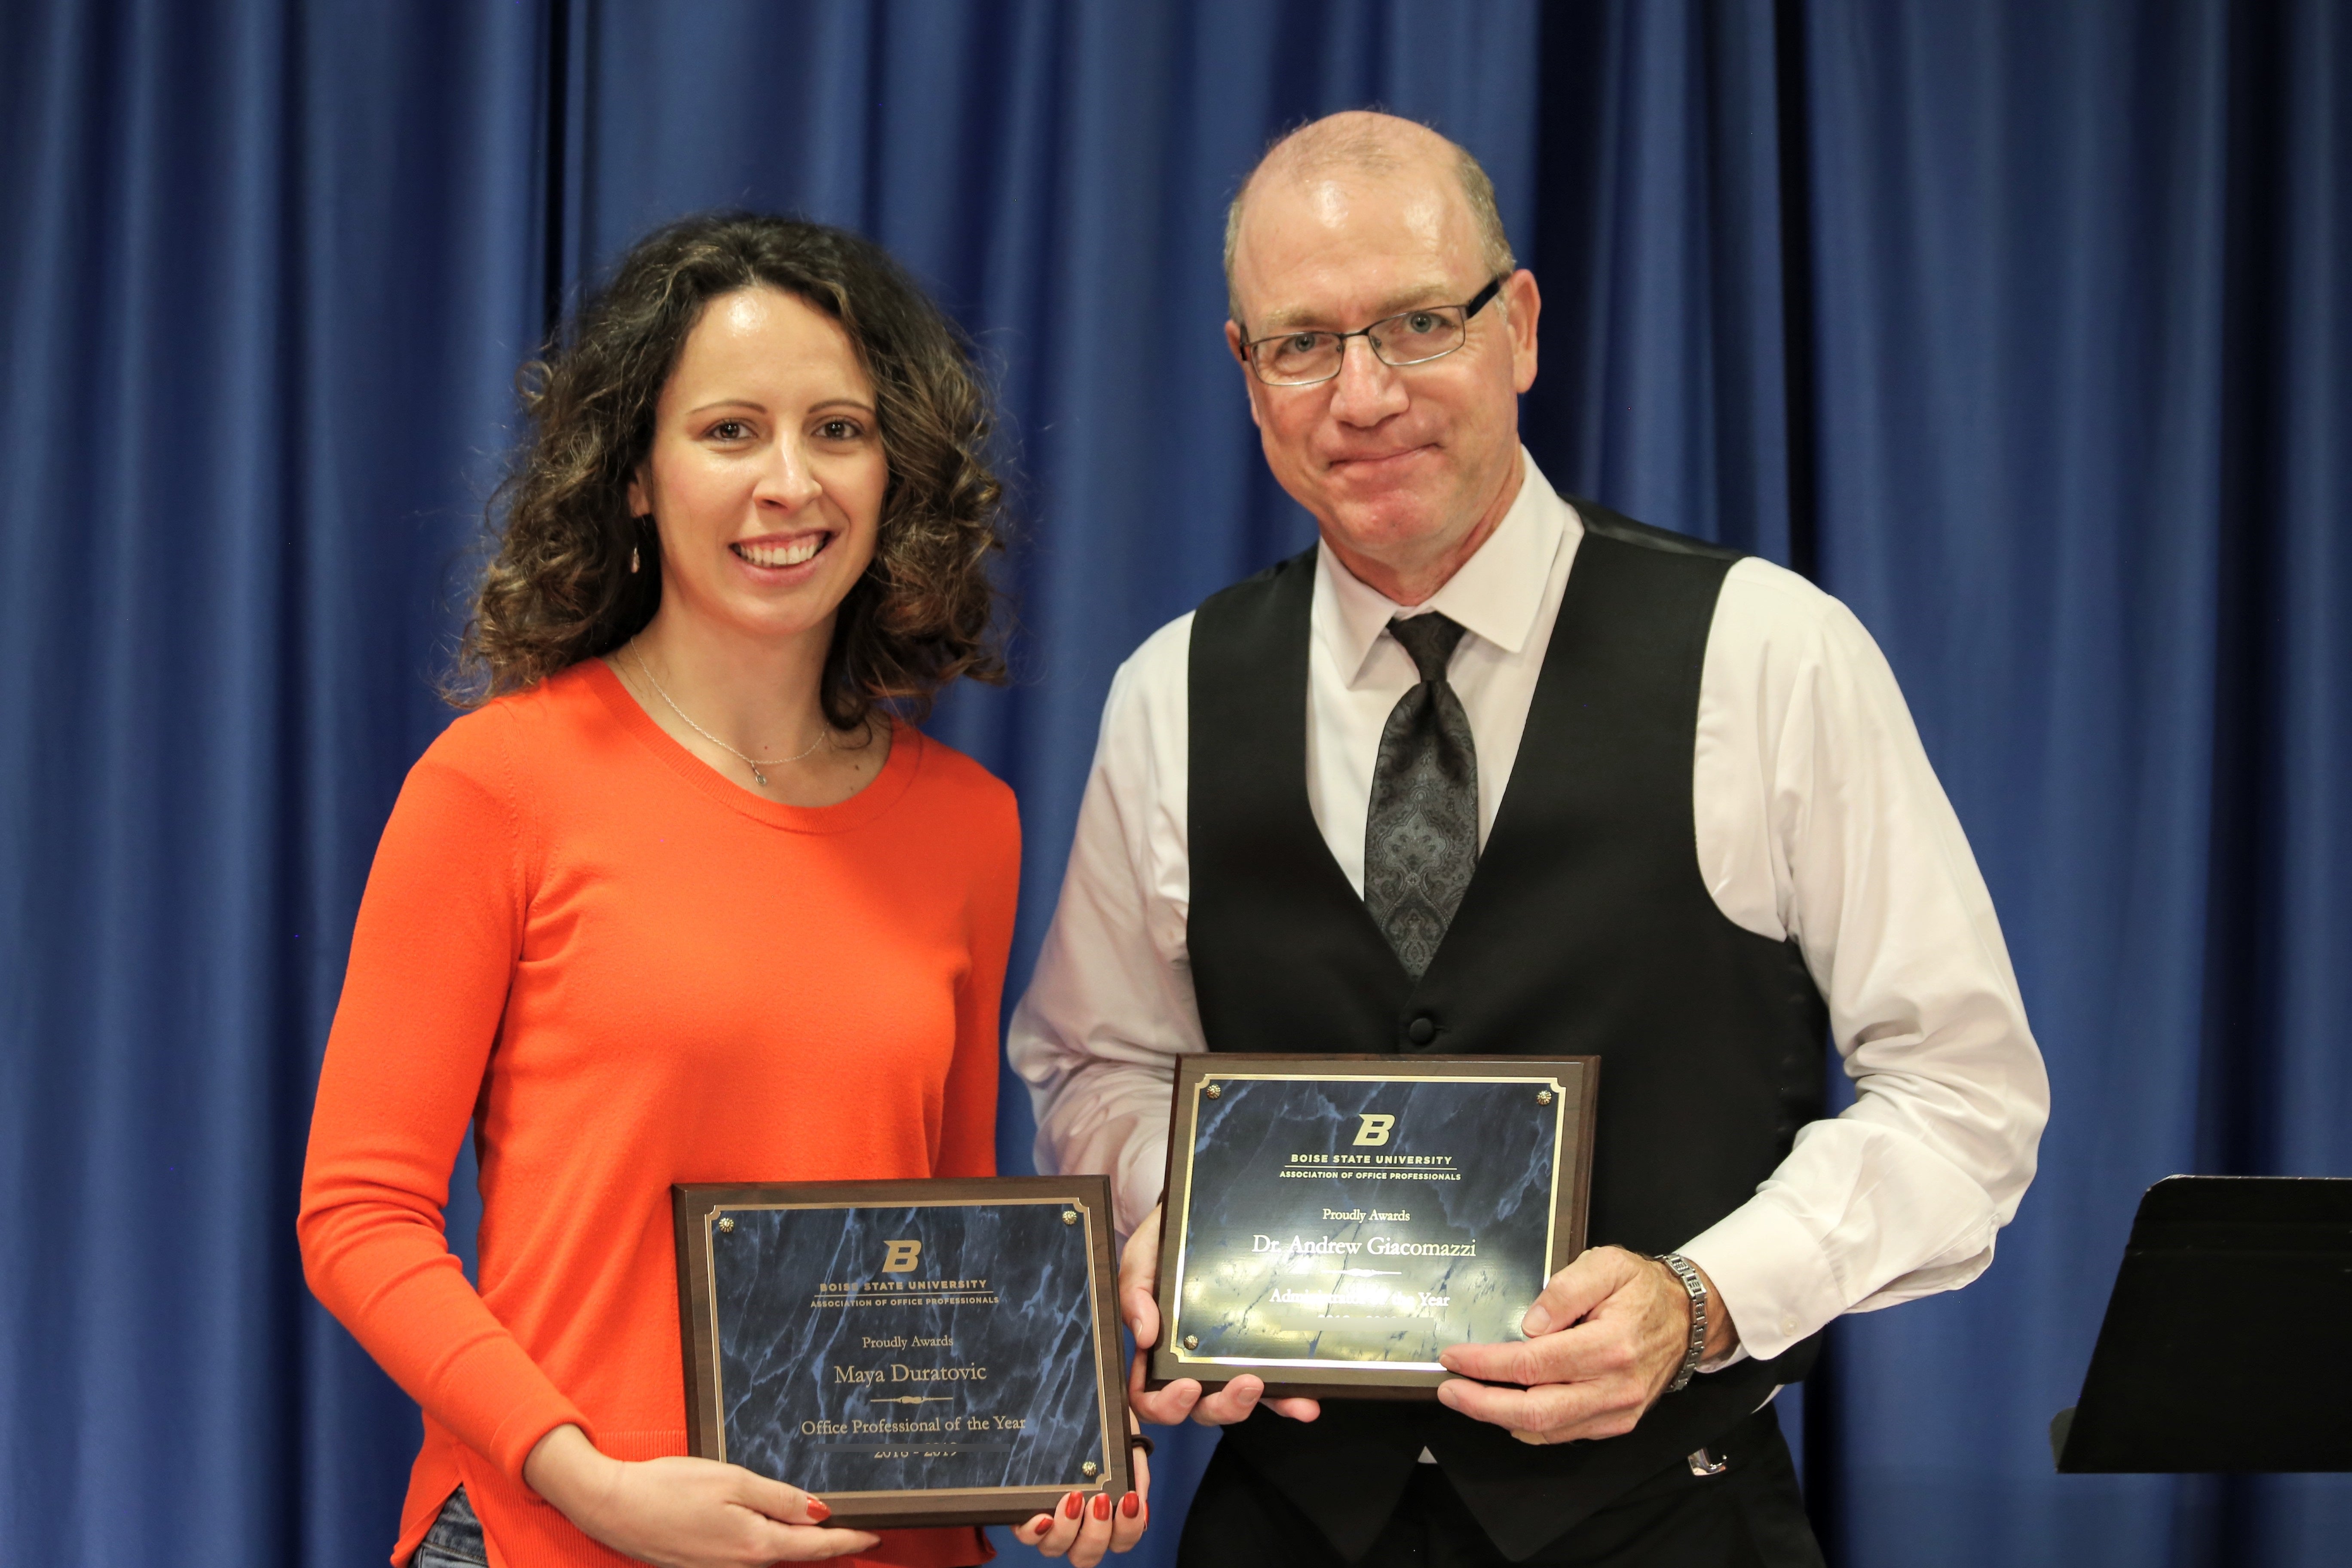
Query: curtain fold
[[2018, 216], [1665, 378], [266, 273], [2023, 327]]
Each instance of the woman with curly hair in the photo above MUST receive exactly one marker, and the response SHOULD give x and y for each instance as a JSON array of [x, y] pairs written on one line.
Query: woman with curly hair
[[684, 898]]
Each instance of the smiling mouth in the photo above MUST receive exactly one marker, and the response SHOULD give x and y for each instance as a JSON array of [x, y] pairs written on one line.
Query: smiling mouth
[[1376, 458], [775, 553]]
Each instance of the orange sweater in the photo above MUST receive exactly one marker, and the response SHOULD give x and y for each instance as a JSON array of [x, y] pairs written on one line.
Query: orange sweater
[[623, 971]]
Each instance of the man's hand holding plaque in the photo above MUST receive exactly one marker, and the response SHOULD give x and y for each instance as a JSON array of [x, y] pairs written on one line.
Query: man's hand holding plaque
[[1138, 1279], [1332, 1223], [1604, 1340], [1367, 1226]]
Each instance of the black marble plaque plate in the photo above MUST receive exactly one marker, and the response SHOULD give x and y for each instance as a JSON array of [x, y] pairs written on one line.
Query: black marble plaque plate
[[914, 1352], [1333, 1223]]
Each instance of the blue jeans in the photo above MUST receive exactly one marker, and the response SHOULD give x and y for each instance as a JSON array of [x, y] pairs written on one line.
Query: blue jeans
[[455, 1539]]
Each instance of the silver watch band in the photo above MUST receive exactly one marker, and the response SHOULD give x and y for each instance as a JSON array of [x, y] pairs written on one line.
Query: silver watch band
[[1689, 1275]]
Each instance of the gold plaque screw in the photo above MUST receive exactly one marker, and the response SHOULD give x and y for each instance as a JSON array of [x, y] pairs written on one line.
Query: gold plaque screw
[[1090, 1469], [1069, 1216], [1543, 1097], [1192, 1342], [727, 1225], [1213, 1092]]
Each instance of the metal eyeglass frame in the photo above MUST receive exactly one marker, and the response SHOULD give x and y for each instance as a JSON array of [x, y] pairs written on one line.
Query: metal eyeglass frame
[[1469, 308]]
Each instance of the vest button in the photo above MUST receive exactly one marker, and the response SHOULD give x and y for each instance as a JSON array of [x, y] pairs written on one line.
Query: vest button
[[1422, 1030]]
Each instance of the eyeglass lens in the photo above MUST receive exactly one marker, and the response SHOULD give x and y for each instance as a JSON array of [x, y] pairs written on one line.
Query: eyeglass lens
[[1406, 339]]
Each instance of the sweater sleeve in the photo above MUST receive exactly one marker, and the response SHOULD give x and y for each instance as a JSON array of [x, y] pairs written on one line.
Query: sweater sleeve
[[968, 1119], [440, 927]]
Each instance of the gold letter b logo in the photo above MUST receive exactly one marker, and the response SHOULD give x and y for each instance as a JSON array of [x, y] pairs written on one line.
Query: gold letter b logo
[[1375, 1129], [900, 1258]]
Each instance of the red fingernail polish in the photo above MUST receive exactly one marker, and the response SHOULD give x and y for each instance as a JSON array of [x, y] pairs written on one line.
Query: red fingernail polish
[[818, 1511], [1130, 1505], [1071, 1505], [1102, 1505]]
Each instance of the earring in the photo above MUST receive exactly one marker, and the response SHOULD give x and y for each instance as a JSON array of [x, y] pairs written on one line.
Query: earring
[[633, 559]]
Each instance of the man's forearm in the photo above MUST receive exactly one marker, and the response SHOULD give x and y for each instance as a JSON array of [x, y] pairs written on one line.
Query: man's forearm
[[1110, 1118]]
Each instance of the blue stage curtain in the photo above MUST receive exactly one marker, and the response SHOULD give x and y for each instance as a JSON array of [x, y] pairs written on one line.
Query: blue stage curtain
[[2023, 327], [267, 270], [2081, 385]]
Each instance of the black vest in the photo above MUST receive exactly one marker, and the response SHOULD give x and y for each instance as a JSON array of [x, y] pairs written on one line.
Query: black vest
[[1586, 931]]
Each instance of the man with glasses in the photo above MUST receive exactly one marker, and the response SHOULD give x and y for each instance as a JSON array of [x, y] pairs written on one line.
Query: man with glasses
[[1488, 772]]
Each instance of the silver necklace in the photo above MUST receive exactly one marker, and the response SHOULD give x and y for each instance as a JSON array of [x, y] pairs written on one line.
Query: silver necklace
[[754, 764]]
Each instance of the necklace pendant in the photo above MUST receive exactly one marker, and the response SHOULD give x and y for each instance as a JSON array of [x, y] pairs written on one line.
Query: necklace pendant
[[761, 776]]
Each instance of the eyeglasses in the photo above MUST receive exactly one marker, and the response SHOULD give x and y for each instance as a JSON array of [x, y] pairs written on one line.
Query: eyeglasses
[[1409, 337]]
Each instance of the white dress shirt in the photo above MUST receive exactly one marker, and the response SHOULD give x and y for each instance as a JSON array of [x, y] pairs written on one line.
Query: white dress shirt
[[1818, 817]]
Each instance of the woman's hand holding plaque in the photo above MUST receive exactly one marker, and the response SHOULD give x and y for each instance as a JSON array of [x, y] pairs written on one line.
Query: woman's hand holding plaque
[[683, 1513]]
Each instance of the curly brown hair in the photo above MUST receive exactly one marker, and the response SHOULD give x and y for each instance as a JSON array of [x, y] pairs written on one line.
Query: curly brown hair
[[559, 590]]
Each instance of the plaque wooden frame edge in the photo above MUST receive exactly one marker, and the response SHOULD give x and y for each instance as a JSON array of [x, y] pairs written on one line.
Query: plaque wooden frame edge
[[698, 1338], [1570, 1214]]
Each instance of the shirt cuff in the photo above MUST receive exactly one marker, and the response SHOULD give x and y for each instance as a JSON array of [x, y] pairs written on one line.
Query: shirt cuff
[[1770, 1275], [521, 1433], [521, 1403]]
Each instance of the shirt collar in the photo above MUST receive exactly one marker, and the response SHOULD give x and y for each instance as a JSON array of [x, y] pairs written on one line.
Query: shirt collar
[[1497, 594]]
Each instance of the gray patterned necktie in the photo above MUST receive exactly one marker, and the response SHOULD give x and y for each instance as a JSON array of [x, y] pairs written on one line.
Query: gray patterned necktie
[[1421, 837]]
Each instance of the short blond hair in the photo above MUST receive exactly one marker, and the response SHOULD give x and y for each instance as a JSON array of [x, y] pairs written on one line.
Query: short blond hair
[[1358, 140]]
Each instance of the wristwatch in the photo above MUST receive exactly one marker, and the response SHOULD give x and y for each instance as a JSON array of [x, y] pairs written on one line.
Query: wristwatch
[[1689, 1275]]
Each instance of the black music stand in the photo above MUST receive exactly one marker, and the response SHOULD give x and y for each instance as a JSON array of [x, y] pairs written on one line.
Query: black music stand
[[2223, 1347]]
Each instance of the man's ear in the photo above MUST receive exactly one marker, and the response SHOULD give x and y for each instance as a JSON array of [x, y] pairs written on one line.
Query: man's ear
[[1524, 302], [1234, 342]]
